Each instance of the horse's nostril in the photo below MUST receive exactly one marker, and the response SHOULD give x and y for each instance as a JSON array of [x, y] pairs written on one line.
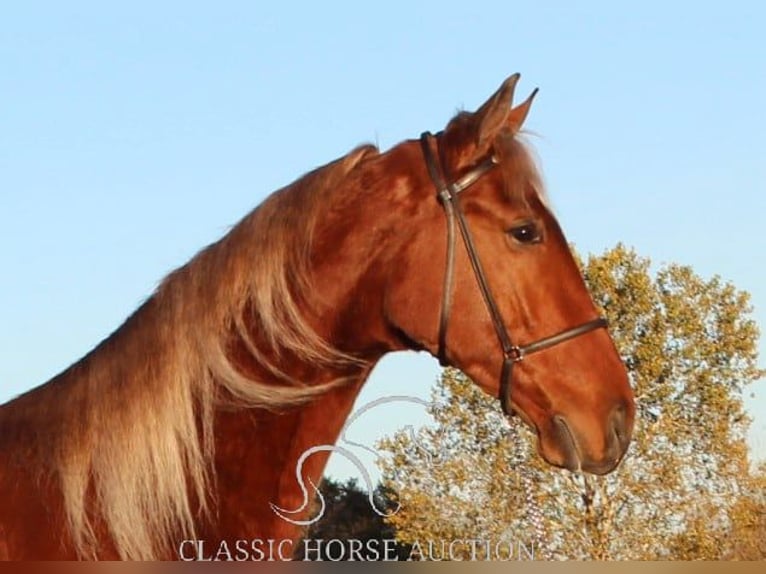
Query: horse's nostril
[[619, 420], [597, 451], [567, 443]]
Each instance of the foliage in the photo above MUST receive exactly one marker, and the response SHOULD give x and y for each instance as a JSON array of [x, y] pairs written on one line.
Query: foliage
[[349, 517], [686, 489]]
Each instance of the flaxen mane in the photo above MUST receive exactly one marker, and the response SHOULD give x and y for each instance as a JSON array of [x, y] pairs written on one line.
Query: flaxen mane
[[132, 421]]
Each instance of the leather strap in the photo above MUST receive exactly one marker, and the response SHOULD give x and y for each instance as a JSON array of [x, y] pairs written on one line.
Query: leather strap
[[448, 194]]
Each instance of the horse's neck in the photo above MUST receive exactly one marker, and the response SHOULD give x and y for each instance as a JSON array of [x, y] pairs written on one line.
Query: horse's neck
[[257, 453]]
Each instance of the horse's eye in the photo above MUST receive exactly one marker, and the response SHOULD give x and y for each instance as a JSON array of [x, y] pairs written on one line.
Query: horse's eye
[[526, 233]]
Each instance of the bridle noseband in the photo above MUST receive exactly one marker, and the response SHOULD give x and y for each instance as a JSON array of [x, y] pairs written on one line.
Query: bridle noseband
[[448, 194]]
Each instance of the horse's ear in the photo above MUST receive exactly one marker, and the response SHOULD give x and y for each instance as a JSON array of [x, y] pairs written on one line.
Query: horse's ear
[[492, 117], [518, 114]]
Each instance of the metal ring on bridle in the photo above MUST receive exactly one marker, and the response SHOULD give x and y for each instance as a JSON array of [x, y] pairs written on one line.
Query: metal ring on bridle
[[515, 354]]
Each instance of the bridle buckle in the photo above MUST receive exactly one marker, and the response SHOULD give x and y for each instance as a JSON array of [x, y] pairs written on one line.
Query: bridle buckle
[[515, 354]]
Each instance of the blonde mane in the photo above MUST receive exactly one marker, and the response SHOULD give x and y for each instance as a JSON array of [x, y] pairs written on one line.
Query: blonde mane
[[128, 429]]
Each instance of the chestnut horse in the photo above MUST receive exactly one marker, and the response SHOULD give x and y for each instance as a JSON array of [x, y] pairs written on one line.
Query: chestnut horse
[[186, 423]]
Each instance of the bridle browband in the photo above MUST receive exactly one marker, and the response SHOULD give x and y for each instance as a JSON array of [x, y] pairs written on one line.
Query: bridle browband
[[448, 194]]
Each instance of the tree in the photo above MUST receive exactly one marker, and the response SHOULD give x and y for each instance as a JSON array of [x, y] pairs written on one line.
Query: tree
[[351, 522], [685, 487], [745, 539], [748, 535]]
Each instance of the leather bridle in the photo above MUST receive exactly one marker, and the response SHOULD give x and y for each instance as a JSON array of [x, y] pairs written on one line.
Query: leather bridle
[[448, 194]]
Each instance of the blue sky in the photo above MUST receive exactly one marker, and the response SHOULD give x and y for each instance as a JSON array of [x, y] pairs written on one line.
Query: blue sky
[[131, 136]]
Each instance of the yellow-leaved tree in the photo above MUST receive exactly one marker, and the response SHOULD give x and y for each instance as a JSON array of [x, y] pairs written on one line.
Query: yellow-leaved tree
[[687, 488]]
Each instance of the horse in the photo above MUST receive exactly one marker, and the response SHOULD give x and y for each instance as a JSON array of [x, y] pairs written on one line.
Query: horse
[[184, 426]]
